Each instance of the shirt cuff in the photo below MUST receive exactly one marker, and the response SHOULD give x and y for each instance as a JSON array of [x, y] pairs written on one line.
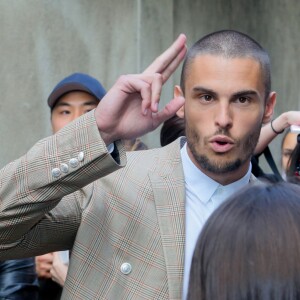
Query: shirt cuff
[[110, 148]]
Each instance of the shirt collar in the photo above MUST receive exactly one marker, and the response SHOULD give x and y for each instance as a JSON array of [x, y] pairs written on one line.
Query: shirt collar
[[205, 186]]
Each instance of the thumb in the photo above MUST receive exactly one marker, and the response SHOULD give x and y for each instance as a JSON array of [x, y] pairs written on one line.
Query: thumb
[[169, 110]]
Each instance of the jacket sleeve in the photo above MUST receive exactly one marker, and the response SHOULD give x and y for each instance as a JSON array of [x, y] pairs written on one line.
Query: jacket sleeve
[[43, 190]]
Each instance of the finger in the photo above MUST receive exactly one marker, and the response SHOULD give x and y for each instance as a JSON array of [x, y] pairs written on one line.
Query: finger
[[145, 90], [156, 88], [168, 111], [161, 62], [169, 70], [47, 275], [141, 84]]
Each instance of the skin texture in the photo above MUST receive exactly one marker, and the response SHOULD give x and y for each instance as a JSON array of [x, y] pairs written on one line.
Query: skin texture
[[288, 146], [224, 109], [71, 106]]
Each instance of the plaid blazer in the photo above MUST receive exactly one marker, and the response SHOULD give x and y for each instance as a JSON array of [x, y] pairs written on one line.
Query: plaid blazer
[[124, 226]]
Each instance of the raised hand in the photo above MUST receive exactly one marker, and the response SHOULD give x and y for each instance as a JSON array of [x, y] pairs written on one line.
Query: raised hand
[[130, 108]]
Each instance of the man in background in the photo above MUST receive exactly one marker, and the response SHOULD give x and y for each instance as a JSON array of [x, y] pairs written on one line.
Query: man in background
[[72, 97]]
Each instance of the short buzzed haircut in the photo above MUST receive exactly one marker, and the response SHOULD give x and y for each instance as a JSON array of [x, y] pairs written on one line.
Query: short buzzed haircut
[[229, 44]]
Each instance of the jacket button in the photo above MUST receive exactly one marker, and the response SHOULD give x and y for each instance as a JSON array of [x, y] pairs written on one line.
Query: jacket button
[[126, 268], [80, 156], [64, 168], [56, 172], [74, 162]]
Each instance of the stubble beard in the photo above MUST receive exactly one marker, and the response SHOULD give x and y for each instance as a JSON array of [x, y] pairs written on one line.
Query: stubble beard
[[247, 146]]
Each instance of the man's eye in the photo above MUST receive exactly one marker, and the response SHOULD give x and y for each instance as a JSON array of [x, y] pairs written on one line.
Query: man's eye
[[64, 112], [243, 99], [287, 153], [206, 97]]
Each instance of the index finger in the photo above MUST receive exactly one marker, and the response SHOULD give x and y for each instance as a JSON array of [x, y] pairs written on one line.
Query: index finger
[[167, 57]]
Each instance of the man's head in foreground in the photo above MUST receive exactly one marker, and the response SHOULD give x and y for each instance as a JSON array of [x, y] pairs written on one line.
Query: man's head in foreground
[[226, 84]]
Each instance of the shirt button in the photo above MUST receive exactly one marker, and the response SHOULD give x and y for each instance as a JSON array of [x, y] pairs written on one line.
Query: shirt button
[[56, 172], [126, 268], [74, 162], [64, 168], [80, 156]]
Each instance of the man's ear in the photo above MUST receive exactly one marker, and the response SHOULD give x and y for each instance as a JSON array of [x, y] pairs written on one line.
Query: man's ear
[[178, 92], [269, 110]]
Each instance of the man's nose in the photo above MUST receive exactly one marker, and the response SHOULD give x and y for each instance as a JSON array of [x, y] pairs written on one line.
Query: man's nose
[[223, 117], [77, 113]]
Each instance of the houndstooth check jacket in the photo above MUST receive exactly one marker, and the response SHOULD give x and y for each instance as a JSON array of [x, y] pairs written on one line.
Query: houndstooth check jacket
[[128, 211]]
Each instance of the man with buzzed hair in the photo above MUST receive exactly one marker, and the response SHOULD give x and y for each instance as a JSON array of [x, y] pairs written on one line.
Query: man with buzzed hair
[[223, 47], [132, 220], [226, 85]]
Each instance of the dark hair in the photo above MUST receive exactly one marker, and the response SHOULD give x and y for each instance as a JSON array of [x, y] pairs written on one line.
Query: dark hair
[[229, 44], [250, 247], [287, 132], [172, 129], [293, 172]]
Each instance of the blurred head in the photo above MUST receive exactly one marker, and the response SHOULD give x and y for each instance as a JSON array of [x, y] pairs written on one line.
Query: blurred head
[[293, 169], [226, 84], [288, 144], [72, 97], [250, 247]]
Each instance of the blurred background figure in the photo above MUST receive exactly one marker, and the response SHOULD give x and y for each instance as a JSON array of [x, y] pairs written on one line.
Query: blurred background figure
[[293, 169], [250, 247], [72, 97], [288, 144]]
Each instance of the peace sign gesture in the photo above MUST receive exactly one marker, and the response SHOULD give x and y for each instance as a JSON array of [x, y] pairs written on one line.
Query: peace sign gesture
[[130, 107]]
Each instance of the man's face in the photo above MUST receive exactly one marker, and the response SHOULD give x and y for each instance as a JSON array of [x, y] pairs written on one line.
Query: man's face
[[224, 109], [71, 106]]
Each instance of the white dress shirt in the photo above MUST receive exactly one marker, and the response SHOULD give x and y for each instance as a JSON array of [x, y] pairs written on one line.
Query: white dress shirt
[[203, 196]]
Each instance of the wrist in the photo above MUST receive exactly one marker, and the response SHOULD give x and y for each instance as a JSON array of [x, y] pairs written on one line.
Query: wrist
[[107, 138]]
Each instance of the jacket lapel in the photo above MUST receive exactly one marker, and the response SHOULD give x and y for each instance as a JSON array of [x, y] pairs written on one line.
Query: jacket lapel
[[169, 193]]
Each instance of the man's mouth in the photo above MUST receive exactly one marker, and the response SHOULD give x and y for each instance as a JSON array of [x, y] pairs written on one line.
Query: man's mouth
[[221, 143]]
